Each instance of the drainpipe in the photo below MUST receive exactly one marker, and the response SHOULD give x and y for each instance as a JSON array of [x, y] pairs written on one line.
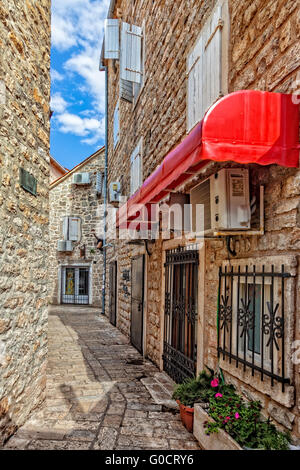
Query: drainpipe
[[103, 67]]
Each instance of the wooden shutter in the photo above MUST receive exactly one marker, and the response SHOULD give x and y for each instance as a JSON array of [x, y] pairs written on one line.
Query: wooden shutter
[[213, 59], [126, 90], [195, 84], [204, 69], [131, 53], [116, 124], [111, 39], [136, 169], [65, 228], [74, 226]]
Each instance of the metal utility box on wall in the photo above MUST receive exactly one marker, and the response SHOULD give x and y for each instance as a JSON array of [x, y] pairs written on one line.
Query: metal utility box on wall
[[28, 181], [114, 192], [81, 178], [226, 200]]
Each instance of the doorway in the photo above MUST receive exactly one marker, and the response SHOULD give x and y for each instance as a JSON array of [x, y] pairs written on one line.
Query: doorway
[[180, 316], [137, 302], [75, 285]]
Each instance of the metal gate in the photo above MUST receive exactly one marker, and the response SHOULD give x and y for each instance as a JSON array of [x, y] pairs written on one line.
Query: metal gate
[[75, 285], [137, 302], [113, 293], [180, 323]]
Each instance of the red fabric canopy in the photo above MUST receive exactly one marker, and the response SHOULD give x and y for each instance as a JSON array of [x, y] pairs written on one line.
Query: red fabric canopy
[[247, 126]]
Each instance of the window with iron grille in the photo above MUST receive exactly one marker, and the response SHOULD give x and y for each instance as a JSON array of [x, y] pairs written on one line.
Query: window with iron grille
[[251, 319]]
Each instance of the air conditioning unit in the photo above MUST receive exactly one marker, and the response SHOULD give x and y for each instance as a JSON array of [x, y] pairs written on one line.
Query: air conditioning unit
[[225, 199], [69, 245], [114, 192], [81, 178], [64, 245], [61, 245]]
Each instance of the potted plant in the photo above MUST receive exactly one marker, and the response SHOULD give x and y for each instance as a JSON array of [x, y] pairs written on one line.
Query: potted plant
[[229, 422], [190, 392]]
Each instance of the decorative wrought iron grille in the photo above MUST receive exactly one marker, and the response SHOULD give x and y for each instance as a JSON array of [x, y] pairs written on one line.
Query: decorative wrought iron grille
[[251, 323], [180, 325]]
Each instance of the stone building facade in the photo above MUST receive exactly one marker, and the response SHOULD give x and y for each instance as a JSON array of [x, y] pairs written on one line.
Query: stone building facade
[[24, 144], [260, 52], [82, 265]]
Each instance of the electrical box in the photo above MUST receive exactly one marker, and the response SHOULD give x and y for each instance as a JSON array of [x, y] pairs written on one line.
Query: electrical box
[[81, 178], [225, 199], [28, 181], [114, 192]]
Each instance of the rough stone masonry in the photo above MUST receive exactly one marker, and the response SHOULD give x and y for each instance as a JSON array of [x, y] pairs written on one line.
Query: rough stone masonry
[[24, 143]]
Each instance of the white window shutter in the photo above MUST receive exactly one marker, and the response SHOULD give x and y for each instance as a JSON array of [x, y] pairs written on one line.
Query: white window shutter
[[65, 227], [111, 39], [204, 69], [74, 225], [131, 53], [126, 90], [116, 124], [213, 59], [136, 169]]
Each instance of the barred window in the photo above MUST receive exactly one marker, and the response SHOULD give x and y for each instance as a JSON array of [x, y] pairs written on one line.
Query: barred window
[[251, 319]]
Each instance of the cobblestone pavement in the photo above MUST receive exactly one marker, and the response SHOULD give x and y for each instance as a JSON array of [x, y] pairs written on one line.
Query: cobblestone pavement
[[96, 397]]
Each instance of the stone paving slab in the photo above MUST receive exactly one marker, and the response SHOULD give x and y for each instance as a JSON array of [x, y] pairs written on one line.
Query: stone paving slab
[[101, 393]]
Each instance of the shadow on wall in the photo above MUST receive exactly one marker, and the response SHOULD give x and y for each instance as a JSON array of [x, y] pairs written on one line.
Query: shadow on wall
[[7, 426]]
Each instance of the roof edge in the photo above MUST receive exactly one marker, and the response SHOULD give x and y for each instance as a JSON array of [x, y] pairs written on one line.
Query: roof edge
[[77, 167]]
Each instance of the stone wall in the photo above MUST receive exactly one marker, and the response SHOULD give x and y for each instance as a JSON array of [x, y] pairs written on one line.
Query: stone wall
[[24, 143], [67, 199], [263, 54]]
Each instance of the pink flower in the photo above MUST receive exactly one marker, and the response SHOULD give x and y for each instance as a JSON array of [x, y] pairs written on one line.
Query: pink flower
[[236, 416], [214, 383], [218, 395], [227, 418]]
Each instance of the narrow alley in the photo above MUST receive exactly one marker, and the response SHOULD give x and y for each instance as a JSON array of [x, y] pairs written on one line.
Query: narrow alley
[[96, 393]]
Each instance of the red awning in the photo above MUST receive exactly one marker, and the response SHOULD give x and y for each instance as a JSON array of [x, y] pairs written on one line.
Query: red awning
[[247, 126]]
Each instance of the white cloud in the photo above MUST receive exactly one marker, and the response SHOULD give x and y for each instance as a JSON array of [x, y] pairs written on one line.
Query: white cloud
[[56, 76], [58, 104], [86, 64], [91, 128], [77, 26]]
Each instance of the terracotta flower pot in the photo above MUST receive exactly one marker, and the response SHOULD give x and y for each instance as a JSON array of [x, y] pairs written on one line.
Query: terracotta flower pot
[[187, 416]]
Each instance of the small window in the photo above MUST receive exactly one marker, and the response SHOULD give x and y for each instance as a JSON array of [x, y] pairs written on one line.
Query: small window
[[72, 228], [207, 65], [251, 319], [136, 168], [116, 124]]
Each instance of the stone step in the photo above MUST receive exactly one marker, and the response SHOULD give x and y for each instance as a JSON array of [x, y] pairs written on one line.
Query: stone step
[[161, 387]]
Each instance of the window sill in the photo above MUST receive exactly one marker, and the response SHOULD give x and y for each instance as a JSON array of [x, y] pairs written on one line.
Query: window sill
[[285, 398]]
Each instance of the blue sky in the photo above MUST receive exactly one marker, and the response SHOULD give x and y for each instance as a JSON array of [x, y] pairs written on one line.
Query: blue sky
[[77, 86]]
